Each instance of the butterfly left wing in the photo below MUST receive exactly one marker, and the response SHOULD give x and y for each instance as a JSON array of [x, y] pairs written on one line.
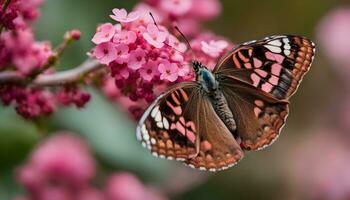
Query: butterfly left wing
[[181, 124], [274, 65]]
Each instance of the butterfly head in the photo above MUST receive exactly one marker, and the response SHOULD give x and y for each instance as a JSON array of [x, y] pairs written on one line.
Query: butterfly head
[[204, 76], [197, 66]]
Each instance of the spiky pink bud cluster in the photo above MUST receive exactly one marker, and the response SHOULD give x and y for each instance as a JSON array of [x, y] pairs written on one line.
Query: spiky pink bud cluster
[[144, 57]]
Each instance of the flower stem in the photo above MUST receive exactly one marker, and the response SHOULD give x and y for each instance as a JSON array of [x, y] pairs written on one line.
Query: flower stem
[[60, 78]]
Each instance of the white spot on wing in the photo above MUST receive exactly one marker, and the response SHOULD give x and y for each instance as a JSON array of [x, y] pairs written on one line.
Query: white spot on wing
[[158, 117], [153, 141], [160, 124], [154, 111], [273, 49], [165, 123], [286, 52], [276, 43], [155, 154]]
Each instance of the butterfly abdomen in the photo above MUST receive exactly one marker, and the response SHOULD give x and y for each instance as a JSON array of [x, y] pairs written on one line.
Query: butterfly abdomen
[[222, 109]]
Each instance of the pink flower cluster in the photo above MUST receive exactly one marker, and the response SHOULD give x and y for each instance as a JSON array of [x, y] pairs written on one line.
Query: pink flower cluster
[[53, 172], [29, 103], [20, 53], [145, 58], [19, 12]]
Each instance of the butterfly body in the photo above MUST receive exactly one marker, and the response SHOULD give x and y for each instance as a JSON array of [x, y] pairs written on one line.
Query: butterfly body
[[210, 88], [240, 106]]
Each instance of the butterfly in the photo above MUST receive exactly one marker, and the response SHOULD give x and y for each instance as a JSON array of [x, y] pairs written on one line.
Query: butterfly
[[239, 106]]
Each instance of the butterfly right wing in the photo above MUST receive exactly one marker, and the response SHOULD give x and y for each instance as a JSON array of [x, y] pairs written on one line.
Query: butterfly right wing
[[182, 125]]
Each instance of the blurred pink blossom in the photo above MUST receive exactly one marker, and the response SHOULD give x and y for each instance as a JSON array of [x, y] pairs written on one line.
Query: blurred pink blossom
[[320, 166], [62, 168], [62, 158], [333, 33], [205, 9], [214, 48], [124, 186], [176, 7]]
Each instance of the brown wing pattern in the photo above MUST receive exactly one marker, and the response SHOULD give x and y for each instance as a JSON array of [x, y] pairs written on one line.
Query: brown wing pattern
[[275, 65], [259, 116], [182, 125]]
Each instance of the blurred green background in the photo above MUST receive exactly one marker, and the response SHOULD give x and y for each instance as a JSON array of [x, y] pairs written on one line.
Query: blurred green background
[[261, 175]]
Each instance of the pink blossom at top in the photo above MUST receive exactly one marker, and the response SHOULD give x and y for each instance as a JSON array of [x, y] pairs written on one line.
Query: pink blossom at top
[[333, 33], [105, 33], [145, 18], [154, 36], [176, 7], [122, 53], [120, 15], [105, 52], [149, 71], [136, 59], [169, 71], [213, 48], [205, 9], [126, 37], [125, 186]]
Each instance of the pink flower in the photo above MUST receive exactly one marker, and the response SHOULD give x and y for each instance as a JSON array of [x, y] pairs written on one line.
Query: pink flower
[[205, 9], [122, 53], [144, 10], [136, 59], [70, 166], [333, 34], [176, 44], [176, 7], [149, 71], [120, 15], [126, 37], [184, 70], [106, 52], [154, 36], [169, 71], [105, 33], [214, 48], [125, 186]]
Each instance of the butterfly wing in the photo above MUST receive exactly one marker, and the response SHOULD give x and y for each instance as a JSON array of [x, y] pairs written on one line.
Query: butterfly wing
[[182, 125], [259, 116], [275, 65]]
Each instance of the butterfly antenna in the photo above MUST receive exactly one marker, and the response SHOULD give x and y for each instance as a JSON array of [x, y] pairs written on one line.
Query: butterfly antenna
[[155, 23], [184, 37]]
